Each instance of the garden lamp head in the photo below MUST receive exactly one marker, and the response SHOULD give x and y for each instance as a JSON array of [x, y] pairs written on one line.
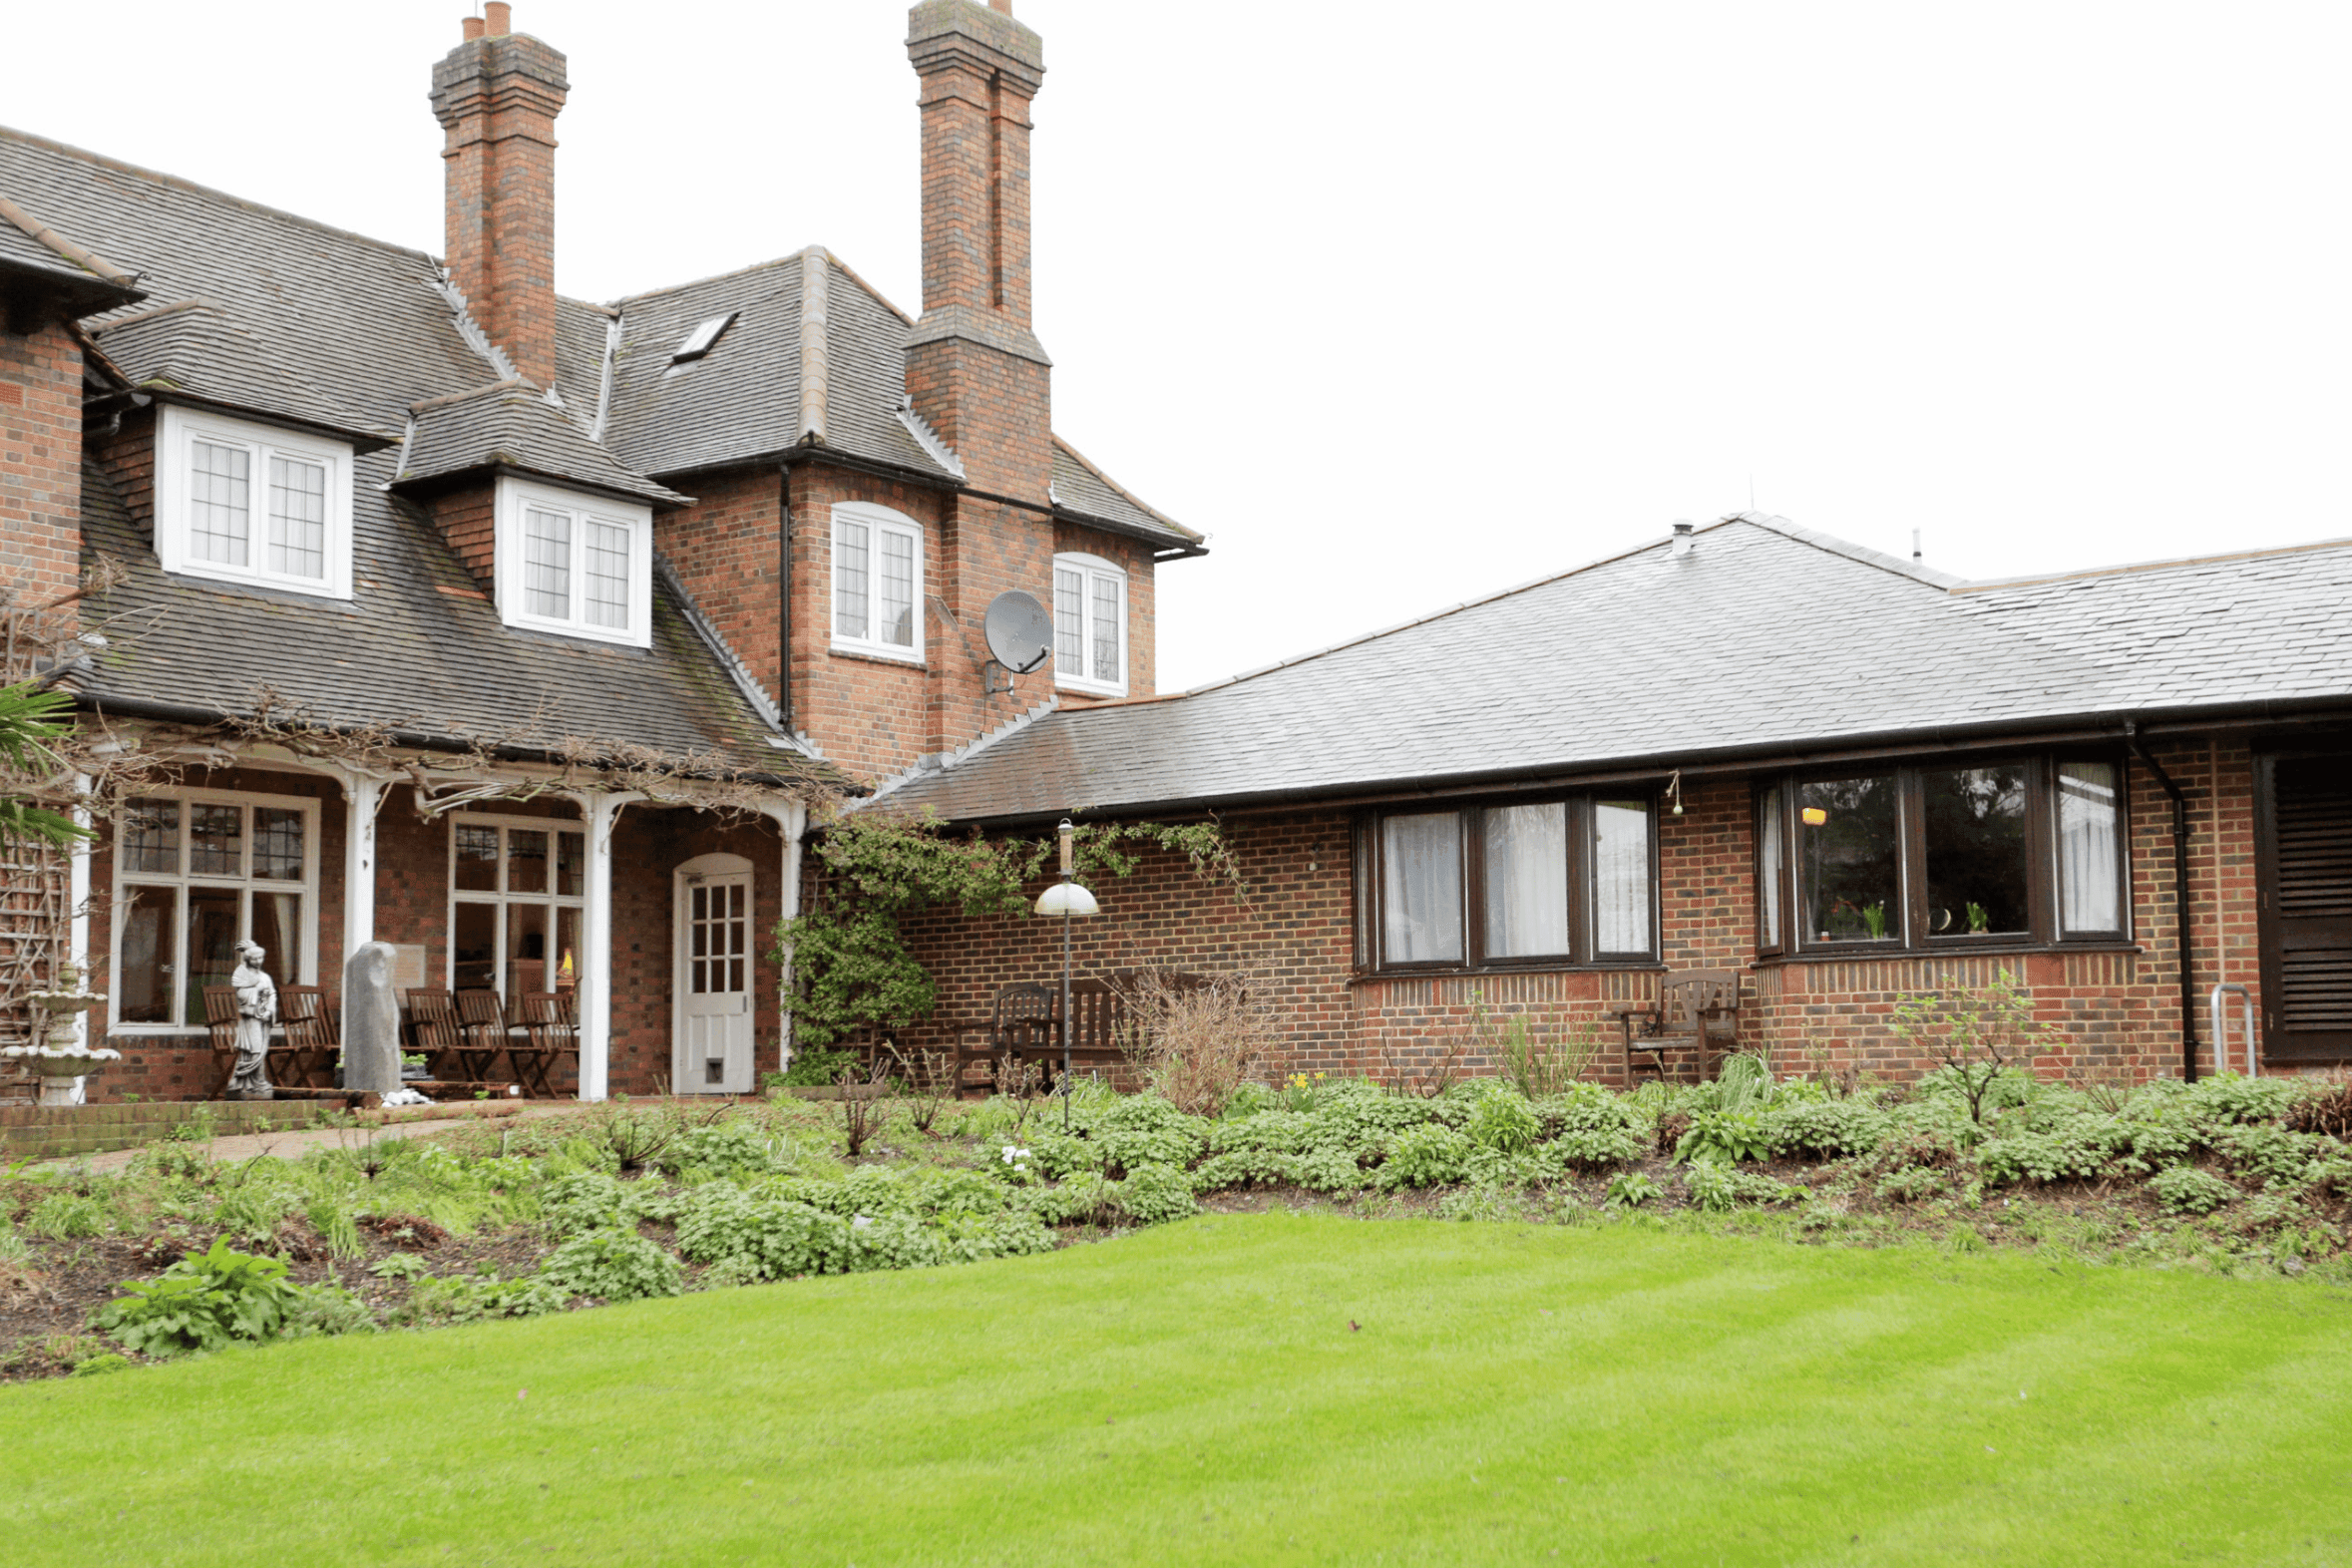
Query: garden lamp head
[[1068, 899]]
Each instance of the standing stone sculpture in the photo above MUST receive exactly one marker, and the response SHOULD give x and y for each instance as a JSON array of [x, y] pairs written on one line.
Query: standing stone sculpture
[[371, 1021], [256, 1011]]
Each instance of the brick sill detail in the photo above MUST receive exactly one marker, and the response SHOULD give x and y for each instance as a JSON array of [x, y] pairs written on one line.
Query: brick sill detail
[[873, 656], [1498, 971], [1877, 955]]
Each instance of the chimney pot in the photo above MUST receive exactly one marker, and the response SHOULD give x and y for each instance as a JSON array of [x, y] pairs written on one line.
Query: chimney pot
[[470, 28], [1004, 6], [1683, 540], [501, 18]]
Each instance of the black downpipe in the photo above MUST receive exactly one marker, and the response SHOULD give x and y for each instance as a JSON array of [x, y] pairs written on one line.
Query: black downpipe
[[784, 597], [2180, 902]]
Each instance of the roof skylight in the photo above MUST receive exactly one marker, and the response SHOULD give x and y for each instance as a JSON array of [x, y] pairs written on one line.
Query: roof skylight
[[699, 342]]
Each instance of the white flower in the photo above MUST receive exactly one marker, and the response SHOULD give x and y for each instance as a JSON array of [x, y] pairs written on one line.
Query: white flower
[[1014, 1156]]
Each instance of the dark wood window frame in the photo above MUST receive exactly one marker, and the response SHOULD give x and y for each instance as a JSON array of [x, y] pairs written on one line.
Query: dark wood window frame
[[2042, 861], [1372, 872]]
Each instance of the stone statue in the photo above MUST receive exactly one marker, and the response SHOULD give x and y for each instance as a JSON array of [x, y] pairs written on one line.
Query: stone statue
[[256, 1011]]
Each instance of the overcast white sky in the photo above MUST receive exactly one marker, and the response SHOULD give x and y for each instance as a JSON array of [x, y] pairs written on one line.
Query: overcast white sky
[[1408, 304]]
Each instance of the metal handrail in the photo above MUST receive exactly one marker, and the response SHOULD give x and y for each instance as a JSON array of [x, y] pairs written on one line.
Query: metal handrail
[[2245, 999]]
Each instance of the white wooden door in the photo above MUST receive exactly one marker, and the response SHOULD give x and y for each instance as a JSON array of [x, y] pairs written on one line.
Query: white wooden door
[[711, 1052]]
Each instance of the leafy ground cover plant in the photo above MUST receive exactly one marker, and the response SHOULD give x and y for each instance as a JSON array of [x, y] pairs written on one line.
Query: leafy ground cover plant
[[206, 1301]]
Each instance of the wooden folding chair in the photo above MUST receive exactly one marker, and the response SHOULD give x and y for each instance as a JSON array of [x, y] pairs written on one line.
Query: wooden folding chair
[[435, 1033], [220, 1024], [550, 1033], [311, 1042], [484, 1031]]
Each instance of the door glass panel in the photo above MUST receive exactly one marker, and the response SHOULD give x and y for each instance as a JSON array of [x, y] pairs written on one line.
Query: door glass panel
[[1621, 876], [1976, 849], [566, 949], [1527, 881], [1768, 868], [209, 943], [215, 839], [1852, 868], [477, 858], [277, 926], [2089, 852], [1422, 893], [527, 951], [277, 844], [569, 867], [142, 981], [473, 941], [527, 860], [150, 836]]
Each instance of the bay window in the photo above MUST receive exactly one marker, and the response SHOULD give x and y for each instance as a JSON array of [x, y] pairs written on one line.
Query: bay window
[[195, 872], [250, 503], [1538, 883], [576, 564], [2016, 850], [877, 581], [1089, 625]]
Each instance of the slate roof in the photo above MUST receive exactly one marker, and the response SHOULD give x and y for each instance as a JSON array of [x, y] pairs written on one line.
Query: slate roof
[[419, 647], [1767, 639], [1085, 492], [510, 425], [195, 348], [33, 253]]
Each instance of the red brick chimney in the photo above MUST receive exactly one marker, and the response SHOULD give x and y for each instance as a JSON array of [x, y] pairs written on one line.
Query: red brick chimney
[[496, 94], [976, 370]]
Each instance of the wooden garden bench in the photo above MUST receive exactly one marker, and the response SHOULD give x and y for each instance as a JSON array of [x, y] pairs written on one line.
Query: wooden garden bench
[[1696, 1010]]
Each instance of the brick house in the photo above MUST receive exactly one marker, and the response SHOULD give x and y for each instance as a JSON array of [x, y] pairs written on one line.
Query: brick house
[[600, 596], [515, 631], [1754, 747]]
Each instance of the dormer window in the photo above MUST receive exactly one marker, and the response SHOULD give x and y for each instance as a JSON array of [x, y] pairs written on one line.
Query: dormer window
[[247, 503], [577, 565], [701, 340], [1089, 626]]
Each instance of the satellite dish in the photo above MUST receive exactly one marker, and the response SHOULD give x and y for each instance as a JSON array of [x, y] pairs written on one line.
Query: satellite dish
[[1019, 632]]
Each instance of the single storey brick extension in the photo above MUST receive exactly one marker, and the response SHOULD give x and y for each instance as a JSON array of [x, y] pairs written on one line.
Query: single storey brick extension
[[523, 632]]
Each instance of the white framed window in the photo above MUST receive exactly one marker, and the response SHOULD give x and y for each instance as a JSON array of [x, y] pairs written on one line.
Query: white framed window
[[518, 892], [249, 502], [877, 581], [578, 564], [1089, 625], [195, 872]]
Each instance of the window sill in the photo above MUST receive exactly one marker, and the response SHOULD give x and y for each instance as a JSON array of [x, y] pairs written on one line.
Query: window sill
[[1500, 971], [1089, 688], [877, 655], [304, 588], [1874, 953]]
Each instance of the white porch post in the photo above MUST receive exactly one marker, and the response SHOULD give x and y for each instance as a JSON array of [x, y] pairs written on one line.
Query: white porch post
[[603, 811], [793, 818], [362, 794]]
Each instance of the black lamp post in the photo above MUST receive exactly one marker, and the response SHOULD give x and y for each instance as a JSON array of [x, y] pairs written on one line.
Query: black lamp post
[[1066, 899]]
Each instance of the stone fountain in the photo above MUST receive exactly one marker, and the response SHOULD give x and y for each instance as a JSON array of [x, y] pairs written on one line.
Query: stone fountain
[[62, 1060]]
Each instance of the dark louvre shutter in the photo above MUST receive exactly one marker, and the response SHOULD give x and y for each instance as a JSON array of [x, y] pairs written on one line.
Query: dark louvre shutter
[[2309, 930]]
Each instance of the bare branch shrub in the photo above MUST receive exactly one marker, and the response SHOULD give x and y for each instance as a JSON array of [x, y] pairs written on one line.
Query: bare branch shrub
[[1196, 1039], [1980, 1036], [864, 1108], [1018, 1081], [930, 1084]]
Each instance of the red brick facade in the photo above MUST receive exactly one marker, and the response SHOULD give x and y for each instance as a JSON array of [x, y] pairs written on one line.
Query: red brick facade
[[41, 474], [412, 905], [2114, 1014]]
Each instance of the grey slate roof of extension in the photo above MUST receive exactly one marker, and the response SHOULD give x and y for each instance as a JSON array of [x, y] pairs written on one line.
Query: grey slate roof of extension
[[509, 424], [1766, 639]]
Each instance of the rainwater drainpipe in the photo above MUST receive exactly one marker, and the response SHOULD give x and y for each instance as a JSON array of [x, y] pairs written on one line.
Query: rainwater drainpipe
[[784, 596], [2180, 901]]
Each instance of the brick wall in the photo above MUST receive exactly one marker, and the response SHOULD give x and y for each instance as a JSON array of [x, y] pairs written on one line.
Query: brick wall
[[127, 453], [728, 550], [468, 518], [1142, 603], [2116, 1014], [41, 474]]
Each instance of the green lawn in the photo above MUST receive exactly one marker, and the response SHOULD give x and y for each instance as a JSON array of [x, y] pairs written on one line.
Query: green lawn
[[1194, 1393]]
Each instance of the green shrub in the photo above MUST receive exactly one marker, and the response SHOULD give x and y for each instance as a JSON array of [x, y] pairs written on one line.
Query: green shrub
[[1728, 1136], [205, 1302], [1911, 1183], [1332, 1170], [2226, 1098], [968, 1237], [771, 1240], [328, 1309], [1591, 1129], [1246, 1167], [2187, 1190], [466, 1298], [889, 1240], [1082, 1200], [733, 1147], [2278, 1157], [1802, 1127], [1154, 1194], [612, 1265], [811, 1069], [2074, 1151], [1430, 1155], [1504, 1121], [67, 1215], [1716, 1185], [1630, 1190]]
